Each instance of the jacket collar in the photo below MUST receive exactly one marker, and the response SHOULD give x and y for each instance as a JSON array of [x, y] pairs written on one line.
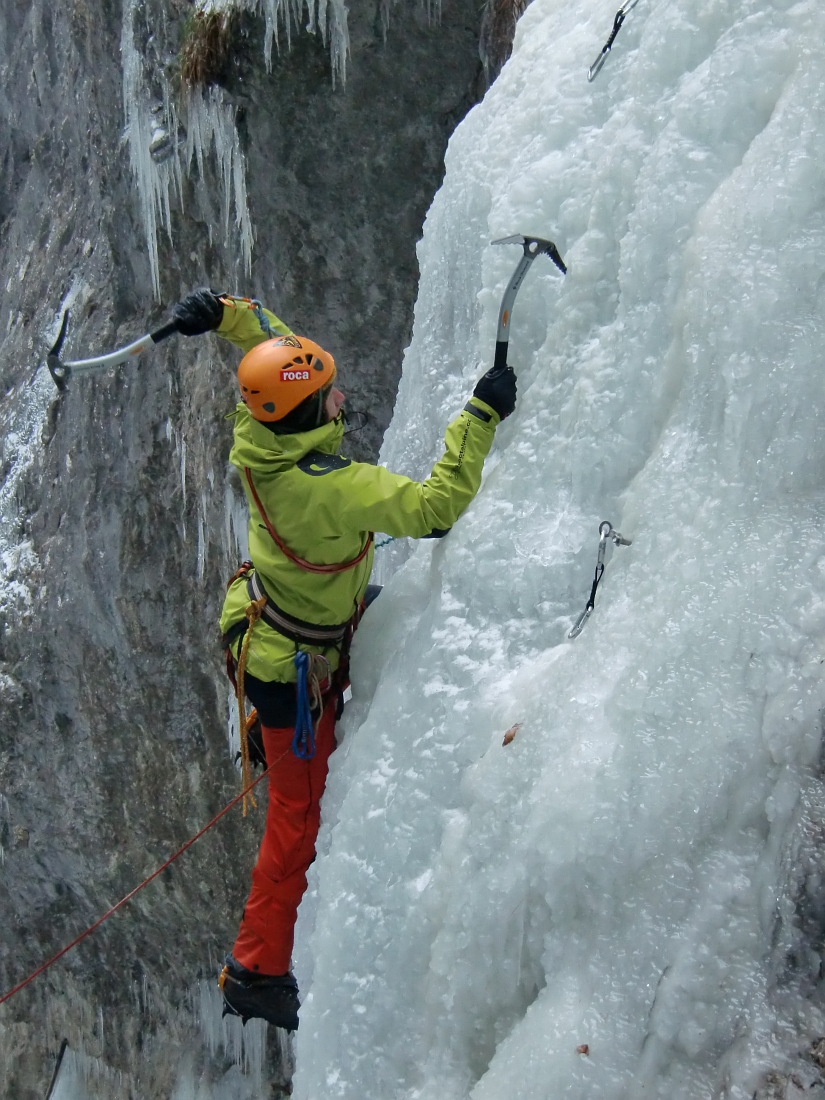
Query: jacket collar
[[260, 449]]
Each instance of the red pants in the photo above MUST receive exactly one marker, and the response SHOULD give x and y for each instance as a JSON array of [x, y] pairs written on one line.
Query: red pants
[[279, 879]]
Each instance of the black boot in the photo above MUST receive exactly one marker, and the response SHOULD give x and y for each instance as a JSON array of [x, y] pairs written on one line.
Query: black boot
[[273, 998]]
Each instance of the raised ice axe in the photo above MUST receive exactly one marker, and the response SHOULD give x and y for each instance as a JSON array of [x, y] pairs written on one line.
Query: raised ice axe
[[61, 371], [533, 246]]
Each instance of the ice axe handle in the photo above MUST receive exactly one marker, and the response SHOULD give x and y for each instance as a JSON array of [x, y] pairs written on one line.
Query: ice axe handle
[[162, 333], [531, 247], [500, 359]]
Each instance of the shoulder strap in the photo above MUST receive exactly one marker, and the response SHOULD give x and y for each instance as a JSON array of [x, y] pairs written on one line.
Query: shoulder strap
[[282, 546]]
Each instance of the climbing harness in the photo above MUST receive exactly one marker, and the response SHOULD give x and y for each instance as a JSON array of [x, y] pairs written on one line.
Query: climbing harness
[[533, 246], [302, 563], [606, 533], [621, 14], [314, 674], [297, 630], [61, 371], [93, 928]]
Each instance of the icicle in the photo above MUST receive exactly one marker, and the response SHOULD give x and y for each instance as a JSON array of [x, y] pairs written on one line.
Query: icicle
[[155, 160], [202, 538], [273, 11], [244, 1045], [211, 122], [233, 734], [152, 126], [236, 538], [330, 17], [183, 471]]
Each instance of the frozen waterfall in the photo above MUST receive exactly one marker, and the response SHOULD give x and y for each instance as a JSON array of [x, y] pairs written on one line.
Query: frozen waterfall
[[624, 874]]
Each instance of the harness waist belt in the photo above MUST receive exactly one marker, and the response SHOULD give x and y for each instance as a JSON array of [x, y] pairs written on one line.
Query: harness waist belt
[[297, 630]]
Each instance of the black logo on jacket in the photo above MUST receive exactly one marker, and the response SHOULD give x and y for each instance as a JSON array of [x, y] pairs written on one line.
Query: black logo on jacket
[[317, 463]]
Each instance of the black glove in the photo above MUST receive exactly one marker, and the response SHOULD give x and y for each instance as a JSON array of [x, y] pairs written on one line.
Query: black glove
[[200, 311], [498, 389], [255, 743]]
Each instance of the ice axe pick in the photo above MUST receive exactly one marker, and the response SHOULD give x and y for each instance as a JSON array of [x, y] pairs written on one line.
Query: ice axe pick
[[533, 246], [61, 371]]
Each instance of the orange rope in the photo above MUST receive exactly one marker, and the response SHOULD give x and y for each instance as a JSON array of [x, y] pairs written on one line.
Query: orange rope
[[137, 889]]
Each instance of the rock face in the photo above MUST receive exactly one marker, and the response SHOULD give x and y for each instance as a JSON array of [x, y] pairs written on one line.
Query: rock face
[[117, 513]]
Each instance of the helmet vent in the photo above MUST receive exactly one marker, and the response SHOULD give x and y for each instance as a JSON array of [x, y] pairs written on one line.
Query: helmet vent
[[269, 406]]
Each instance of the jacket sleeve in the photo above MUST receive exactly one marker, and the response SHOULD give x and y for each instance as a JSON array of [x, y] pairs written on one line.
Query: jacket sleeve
[[242, 328], [371, 498]]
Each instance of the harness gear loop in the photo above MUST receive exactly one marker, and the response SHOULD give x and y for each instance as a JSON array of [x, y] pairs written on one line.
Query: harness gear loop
[[606, 533], [285, 550], [320, 663], [253, 613]]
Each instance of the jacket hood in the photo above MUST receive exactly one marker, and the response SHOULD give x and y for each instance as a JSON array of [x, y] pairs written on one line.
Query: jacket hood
[[260, 449]]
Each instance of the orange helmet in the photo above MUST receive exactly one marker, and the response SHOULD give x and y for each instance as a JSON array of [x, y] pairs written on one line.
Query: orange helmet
[[277, 375]]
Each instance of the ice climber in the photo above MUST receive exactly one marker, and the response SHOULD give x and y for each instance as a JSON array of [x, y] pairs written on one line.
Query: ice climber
[[312, 514]]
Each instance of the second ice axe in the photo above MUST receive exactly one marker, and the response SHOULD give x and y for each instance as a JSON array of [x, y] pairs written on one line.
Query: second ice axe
[[533, 246]]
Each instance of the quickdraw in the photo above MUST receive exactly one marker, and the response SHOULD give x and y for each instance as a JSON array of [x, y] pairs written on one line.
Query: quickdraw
[[263, 320], [621, 15], [606, 533], [303, 739]]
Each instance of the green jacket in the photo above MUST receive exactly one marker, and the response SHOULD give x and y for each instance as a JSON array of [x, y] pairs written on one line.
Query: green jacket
[[323, 506]]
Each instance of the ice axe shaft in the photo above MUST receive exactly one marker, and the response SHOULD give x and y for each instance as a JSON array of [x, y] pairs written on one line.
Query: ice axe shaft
[[61, 371], [533, 246]]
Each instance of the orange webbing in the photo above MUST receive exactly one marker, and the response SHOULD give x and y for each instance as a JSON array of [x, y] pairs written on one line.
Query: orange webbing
[[282, 546]]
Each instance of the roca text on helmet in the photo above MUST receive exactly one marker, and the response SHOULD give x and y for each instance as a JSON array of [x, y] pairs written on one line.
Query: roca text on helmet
[[277, 375]]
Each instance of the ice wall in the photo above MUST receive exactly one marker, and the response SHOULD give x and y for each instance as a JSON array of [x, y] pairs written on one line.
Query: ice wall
[[623, 874]]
